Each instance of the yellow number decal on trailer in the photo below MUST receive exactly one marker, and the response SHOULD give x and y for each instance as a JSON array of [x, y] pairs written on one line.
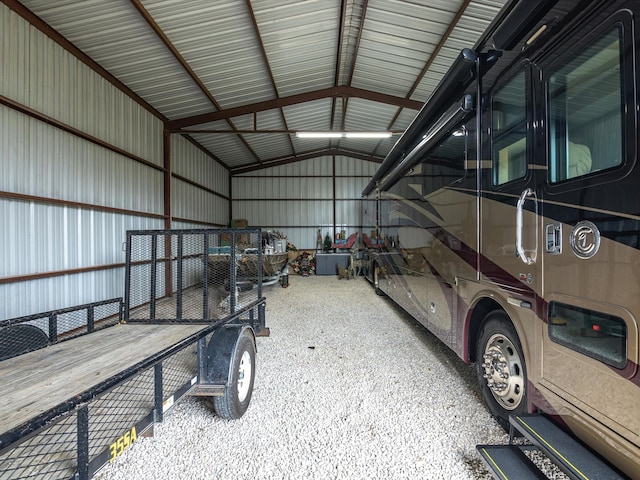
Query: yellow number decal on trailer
[[121, 444]]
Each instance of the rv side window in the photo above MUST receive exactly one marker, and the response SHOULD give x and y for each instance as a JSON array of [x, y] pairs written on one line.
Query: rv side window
[[586, 105], [598, 335], [509, 131]]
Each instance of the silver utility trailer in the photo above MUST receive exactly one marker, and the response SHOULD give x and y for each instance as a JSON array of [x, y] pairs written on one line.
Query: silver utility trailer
[[81, 385]]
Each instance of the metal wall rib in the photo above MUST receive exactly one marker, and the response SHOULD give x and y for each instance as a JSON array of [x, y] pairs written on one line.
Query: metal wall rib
[[297, 199], [68, 201]]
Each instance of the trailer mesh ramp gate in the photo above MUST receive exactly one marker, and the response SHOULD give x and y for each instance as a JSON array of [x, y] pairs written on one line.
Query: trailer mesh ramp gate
[[76, 395]]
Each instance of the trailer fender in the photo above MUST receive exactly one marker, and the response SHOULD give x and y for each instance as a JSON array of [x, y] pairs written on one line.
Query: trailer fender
[[22, 338], [221, 351]]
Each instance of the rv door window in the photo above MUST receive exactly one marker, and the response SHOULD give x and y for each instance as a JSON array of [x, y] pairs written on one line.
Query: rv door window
[[586, 106], [509, 131]]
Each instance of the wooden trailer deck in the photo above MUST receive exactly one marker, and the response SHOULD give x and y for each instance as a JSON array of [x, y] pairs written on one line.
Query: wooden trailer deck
[[36, 382]]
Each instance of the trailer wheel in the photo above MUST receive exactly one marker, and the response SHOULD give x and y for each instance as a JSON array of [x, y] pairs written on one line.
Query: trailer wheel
[[237, 394], [500, 368]]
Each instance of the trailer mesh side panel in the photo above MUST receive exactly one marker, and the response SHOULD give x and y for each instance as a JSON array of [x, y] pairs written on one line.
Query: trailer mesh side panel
[[178, 370], [51, 454], [26, 334], [111, 415]]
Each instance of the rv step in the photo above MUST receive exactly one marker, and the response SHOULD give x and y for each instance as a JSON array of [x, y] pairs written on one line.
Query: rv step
[[575, 460], [507, 462]]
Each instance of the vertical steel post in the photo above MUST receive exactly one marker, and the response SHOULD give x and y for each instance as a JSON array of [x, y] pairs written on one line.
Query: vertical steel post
[[82, 418], [333, 198], [53, 328], [232, 275], [157, 393], [261, 316], [166, 161], [168, 219], [154, 272], [260, 263], [91, 319], [179, 279], [205, 277], [127, 278], [202, 360]]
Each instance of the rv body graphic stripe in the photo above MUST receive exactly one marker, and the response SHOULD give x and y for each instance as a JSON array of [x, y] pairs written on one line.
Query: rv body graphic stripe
[[466, 253]]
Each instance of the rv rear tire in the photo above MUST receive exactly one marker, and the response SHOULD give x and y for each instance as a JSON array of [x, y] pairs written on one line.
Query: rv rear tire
[[500, 368]]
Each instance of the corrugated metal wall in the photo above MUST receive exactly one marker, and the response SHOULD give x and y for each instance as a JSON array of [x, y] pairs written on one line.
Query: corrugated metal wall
[[299, 198], [83, 163], [200, 187], [71, 187]]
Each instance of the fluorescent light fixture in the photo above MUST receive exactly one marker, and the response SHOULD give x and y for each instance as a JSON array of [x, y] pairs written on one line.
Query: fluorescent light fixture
[[343, 134], [368, 135], [318, 134]]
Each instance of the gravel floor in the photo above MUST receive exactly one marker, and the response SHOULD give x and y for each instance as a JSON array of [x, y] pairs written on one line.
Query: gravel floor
[[347, 387]]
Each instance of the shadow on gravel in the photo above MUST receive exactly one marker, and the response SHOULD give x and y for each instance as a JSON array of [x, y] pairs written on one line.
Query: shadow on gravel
[[464, 371]]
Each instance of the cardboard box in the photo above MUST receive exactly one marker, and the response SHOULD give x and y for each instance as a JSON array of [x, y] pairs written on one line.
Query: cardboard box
[[239, 223]]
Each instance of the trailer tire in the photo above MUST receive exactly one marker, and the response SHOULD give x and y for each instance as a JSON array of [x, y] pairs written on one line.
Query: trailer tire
[[237, 395], [500, 368]]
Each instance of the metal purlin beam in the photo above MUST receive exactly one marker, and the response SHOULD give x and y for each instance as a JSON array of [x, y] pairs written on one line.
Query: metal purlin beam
[[323, 152], [345, 100], [176, 54], [263, 51], [339, 91]]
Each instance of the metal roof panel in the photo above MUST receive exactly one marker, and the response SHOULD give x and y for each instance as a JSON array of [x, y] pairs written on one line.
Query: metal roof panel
[[116, 36], [405, 32], [300, 40], [218, 41], [465, 34], [248, 52]]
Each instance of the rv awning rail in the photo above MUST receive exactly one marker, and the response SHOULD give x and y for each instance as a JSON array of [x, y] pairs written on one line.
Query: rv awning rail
[[449, 120], [509, 27], [453, 84]]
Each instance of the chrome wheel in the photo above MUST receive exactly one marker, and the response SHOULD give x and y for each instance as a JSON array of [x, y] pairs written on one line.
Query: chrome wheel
[[503, 371]]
